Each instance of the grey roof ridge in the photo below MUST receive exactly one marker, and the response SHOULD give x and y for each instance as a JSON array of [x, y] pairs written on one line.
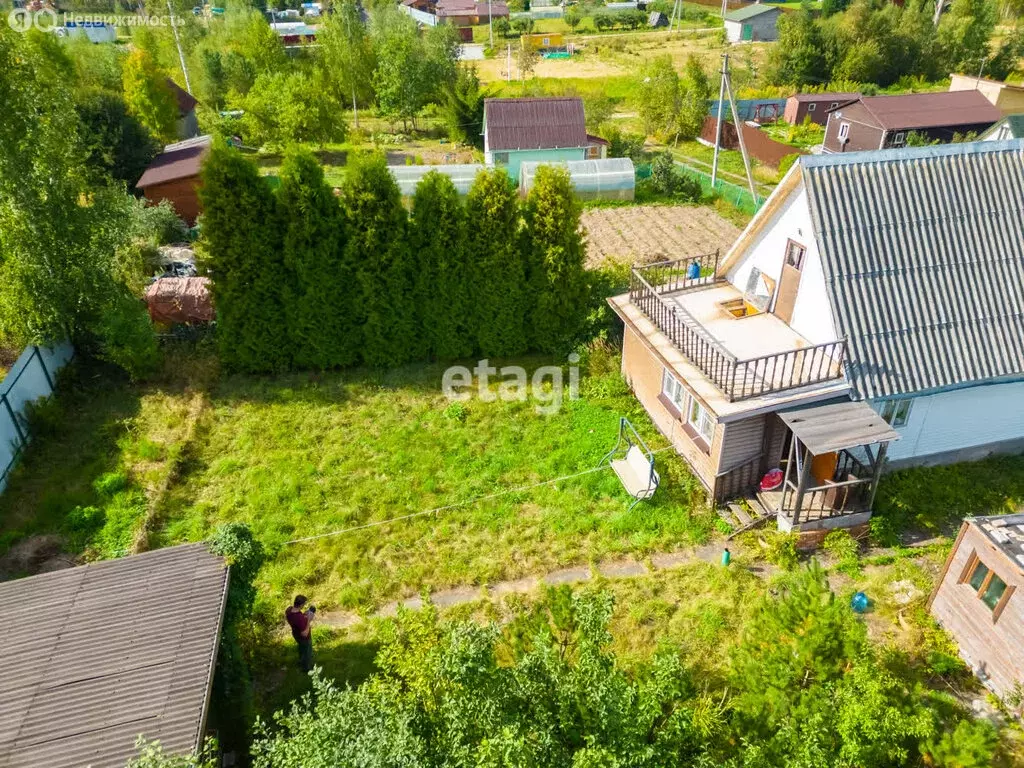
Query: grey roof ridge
[[811, 162]]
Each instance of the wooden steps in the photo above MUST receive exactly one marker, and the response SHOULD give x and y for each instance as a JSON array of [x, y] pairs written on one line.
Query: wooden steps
[[744, 515]]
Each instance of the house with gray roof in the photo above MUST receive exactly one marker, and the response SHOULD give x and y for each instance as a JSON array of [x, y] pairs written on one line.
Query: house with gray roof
[[886, 288], [98, 656]]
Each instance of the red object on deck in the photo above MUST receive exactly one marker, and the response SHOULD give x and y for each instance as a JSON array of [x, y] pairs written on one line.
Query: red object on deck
[[772, 479]]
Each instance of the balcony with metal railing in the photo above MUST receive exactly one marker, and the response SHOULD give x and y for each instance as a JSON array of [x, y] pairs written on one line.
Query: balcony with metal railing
[[745, 352]]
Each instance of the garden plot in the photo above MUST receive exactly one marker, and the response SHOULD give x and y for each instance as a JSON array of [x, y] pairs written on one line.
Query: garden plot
[[649, 233]]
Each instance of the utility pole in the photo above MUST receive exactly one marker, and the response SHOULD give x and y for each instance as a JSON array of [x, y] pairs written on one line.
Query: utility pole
[[508, 65], [718, 124], [490, 25], [348, 47], [677, 15], [177, 42], [940, 5], [739, 129]]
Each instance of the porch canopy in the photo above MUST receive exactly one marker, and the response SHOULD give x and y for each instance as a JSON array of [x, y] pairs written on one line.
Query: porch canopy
[[834, 426]]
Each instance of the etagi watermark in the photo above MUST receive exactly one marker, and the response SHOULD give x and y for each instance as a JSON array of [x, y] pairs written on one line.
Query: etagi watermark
[[22, 20], [546, 387]]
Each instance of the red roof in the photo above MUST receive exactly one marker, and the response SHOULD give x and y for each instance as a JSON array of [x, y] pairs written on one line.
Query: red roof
[[186, 101], [931, 110], [178, 161], [534, 123]]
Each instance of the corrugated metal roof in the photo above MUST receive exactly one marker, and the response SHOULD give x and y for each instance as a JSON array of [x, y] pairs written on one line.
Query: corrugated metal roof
[[97, 655], [923, 254], [182, 160], [946, 109], [534, 123], [750, 11]]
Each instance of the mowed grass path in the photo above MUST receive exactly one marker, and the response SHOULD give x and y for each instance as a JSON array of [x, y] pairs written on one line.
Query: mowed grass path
[[300, 456]]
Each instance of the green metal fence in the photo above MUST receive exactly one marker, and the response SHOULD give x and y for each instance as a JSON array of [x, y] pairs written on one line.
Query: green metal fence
[[733, 193]]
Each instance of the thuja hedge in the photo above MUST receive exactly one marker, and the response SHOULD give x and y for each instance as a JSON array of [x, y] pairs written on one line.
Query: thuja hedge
[[306, 278]]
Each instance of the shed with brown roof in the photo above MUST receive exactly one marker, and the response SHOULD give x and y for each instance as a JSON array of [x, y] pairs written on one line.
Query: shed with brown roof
[[815, 106], [534, 129], [96, 656], [174, 176], [884, 122]]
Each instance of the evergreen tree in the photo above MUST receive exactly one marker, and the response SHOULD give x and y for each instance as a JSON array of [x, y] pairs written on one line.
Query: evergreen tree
[[438, 236], [555, 256], [463, 108], [492, 211], [242, 249], [379, 249], [320, 291]]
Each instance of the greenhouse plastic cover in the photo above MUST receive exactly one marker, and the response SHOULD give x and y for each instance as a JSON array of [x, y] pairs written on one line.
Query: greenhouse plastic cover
[[408, 176], [612, 174]]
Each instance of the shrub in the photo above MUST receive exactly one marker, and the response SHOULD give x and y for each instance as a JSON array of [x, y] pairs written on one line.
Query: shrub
[[604, 21], [780, 549], [845, 549]]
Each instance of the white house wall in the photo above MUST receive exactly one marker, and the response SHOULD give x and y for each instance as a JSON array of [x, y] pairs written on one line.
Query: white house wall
[[812, 313], [948, 425]]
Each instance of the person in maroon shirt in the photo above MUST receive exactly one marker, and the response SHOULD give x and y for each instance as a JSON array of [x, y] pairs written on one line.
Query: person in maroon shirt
[[300, 620]]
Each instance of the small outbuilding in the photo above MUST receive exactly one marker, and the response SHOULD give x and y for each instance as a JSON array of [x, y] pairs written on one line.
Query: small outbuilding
[[752, 23], [97, 656], [188, 123], [976, 599], [815, 106], [534, 129], [174, 176]]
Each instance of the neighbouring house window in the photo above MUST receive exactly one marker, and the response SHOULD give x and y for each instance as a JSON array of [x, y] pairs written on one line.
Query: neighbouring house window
[[897, 412], [811, 107], [833, 105], [547, 41], [795, 254], [501, 158], [699, 418], [844, 130], [987, 585], [899, 138], [673, 390]]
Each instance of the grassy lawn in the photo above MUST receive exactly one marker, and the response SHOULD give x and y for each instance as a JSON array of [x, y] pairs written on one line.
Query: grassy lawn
[[302, 455]]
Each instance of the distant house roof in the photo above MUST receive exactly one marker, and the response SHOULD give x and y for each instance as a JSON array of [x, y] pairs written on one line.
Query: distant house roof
[[750, 11], [998, 83], [923, 255], [97, 655], [186, 101], [840, 97], [1006, 532], [448, 8], [534, 123], [913, 111], [178, 161]]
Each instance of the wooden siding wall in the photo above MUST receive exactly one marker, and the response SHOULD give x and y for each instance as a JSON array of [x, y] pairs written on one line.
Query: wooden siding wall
[[183, 195], [743, 440], [642, 369], [998, 645]]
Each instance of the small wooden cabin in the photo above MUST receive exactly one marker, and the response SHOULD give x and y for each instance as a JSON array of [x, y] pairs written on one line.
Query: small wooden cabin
[[174, 176], [976, 599]]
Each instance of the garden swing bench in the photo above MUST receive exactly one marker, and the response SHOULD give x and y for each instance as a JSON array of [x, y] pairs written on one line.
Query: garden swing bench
[[633, 462]]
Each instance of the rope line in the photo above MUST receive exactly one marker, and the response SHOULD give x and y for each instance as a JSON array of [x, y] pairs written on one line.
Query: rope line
[[458, 504]]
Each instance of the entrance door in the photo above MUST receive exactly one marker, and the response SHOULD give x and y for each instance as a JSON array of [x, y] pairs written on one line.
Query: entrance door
[[789, 283], [747, 32]]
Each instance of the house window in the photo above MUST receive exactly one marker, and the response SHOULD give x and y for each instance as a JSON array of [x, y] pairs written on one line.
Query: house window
[[699, 418], [795, 255], [987, 586], [812, 106], [698, 421], [547, 41], [833, 105], [897, 412], [501, 158], [673, 390], [844, 131], [899, 138]]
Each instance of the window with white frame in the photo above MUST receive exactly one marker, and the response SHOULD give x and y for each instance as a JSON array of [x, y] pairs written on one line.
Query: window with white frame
[[812, 106], [844, 130], [897, 412], [695, 415], [698, 417], [673, 390], [833, 105], [899, 138]]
